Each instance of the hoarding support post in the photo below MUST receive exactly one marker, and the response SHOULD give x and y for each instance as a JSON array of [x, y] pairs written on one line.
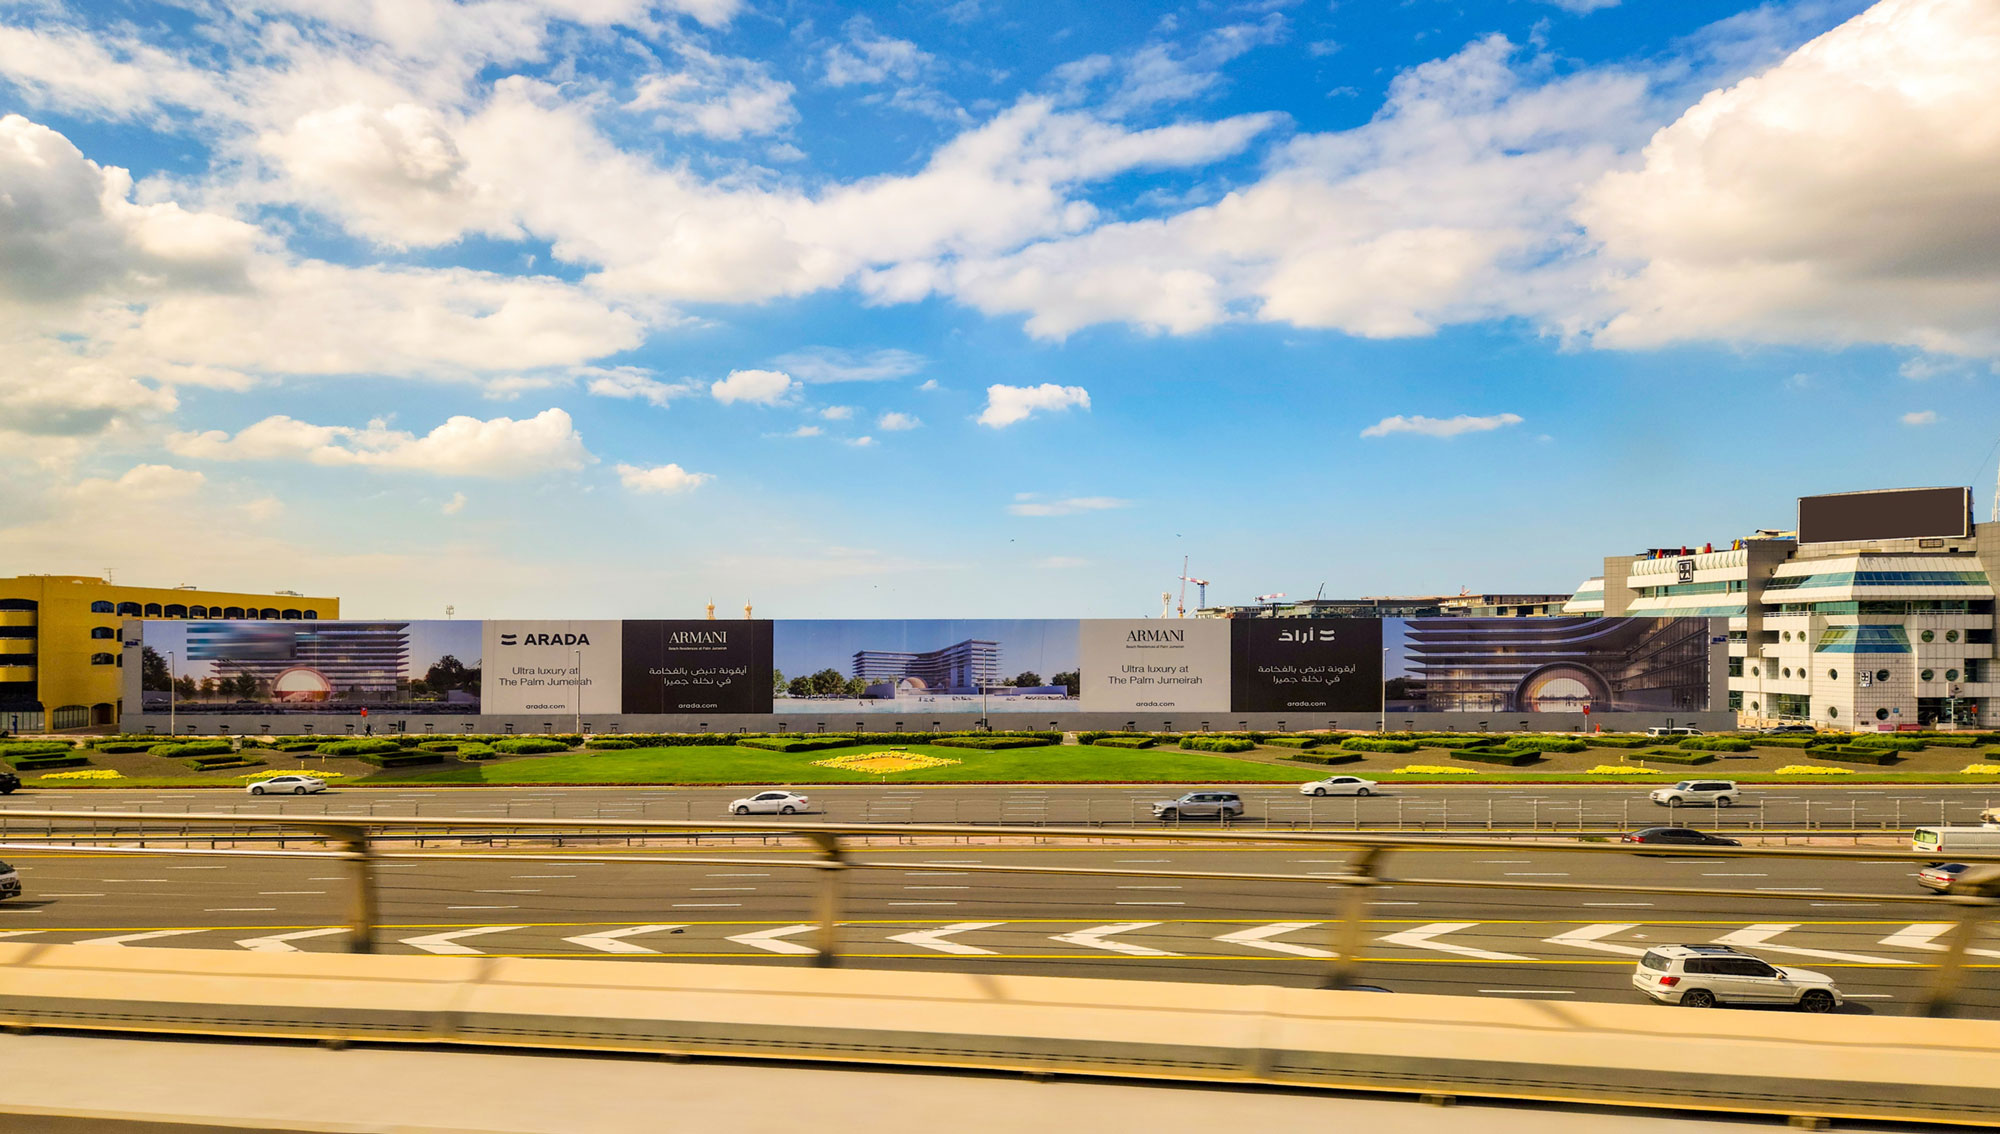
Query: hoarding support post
[[1361, 877], [827, 899], [361, 909], [1950, 972]]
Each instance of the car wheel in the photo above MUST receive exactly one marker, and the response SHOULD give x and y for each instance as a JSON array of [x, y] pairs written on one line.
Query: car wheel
[[1725, 801], [1697, 998], [1169, 815], [298, 791], [743, 811], [6, 791], [256, 791], [1816, 1000], [1363, 791], [1319, 791], [788, 810]]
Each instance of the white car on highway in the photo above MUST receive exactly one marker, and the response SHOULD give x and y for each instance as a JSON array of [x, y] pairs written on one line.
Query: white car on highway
[[1339, 785], [287, 785], [1721, 793], [769, 803], [1702, 976]]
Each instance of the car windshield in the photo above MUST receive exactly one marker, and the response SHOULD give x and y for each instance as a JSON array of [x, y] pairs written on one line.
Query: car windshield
[[1653, 960]]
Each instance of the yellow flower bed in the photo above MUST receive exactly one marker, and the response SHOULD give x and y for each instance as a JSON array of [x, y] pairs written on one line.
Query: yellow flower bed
[[1438, 770], [1813, 770], [883, 763], [84, 774], [1619, 770], [269, 772], [1982, 769]]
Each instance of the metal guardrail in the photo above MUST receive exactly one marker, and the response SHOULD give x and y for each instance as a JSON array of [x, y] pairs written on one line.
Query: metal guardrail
[[359, 842]]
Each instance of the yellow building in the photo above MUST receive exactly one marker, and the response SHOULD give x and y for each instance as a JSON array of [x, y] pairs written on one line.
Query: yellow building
[[61, 655]]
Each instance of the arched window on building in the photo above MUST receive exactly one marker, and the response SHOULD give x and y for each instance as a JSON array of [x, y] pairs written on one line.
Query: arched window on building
[[102, 607], [104, 659], [232, 612], [103, 632], [197, 612], [176, 610], [312, 615], [153, 610], [268, 612], [131, 608], [291, 614]]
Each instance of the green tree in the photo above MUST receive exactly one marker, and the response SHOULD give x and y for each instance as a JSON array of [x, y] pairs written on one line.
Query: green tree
[[448, 673], [153, 674], [1026, 679], [184, 688], [829, 683], [1071, 681], [857, 687], [777, 680], [800, 687], [245, 687]]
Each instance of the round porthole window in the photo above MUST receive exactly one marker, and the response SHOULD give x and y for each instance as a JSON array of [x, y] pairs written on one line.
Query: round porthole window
[[1929, 635], [1951, 635], [1881, 714], [1788, 671], [1832, 711], [1754, 706], [1756, 672], [1923, 675], [1787, 635], [1951, 675], [1881, 675], [1833, 675]]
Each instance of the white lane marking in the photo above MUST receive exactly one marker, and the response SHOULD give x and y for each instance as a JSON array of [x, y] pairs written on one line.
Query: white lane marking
[[194, 868], [1145, 860], [722, 889], [937, 887], [1706, 874], [1421, 938], [285, 893], [1505, 861], [928, 873], [1759, 936], [277, 942], [1255, 938], [482, 907], [1149, 903], [1921, 936], [1586, 937], [17, 932], [772, 940], [242, 909], [612, 940], [1848, 905], [708, 905], [446, 944], [1868, 995], [1149, 887], [506, 891], [1529, 991], [919, 903], [1537, 873], [1686, 861], [1619, 904], [1096, 938], [739, 876], [935, 938], [526, 877], [72, 895], [124, 937], [1384, 903], [1792, 889]]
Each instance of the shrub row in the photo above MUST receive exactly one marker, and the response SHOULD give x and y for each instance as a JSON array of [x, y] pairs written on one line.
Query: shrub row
[[1716, 744], [1218, 743], [793, 744], [610, 743], [1124, 741], [1618, 741], [33, 748], [401, 758], [474, 750], [50, 760], [1300, 742], [530, 745], [1853, 754], [1895, 743], [374, 746], [1545, 744], [187, 748], [1512, 757], [1455, 743], [219, 763], [1377, 744], [1677, 756], [1326, 756], [990, 743]]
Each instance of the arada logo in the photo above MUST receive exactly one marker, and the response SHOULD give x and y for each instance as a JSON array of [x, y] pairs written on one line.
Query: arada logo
[[507, 639], [1156, 635]]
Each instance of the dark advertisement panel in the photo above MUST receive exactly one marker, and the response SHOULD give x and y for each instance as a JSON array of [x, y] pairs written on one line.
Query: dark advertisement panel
[[697, 666], [1903, 513], [1297, 664]]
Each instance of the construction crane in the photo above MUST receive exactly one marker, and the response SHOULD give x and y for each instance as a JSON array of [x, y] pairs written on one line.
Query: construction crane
[[1201, 594], [1271, 598]]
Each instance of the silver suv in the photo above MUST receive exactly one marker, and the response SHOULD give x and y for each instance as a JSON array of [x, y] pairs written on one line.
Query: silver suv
[[1702, 976], [1223, 804], [1721, 793]]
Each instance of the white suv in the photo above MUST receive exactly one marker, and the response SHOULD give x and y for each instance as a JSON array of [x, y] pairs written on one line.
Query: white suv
[[1702, 976], [1721, 793]]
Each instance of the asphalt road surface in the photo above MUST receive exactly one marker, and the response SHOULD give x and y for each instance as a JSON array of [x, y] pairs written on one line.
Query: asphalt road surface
[[929, 907]]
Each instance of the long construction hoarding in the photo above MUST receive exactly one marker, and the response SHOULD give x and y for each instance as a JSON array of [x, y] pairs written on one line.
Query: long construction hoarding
[[925, 668]]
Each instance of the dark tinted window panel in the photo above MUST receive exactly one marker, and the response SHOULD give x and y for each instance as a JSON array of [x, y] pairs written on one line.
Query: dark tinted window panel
[[1900, 514]]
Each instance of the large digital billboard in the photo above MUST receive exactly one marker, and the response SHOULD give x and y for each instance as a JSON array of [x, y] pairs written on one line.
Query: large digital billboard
[[309, 667], [1281, 665], [924, 666], [1899, 513]]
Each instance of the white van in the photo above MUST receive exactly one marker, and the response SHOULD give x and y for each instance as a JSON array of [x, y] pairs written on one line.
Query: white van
[[1952, 840], [1675, 730]]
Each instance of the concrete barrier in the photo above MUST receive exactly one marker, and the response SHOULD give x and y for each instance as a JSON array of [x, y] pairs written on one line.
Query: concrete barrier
[[1840, 1066]]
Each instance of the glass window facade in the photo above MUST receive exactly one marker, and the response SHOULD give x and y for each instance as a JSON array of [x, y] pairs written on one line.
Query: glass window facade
[[1879, 579], [1862, 640]]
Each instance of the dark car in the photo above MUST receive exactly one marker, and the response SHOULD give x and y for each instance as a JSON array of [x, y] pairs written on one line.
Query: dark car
[[9, 783], [1775, 730], [1679, 837], [1940, 876], [10, 881]]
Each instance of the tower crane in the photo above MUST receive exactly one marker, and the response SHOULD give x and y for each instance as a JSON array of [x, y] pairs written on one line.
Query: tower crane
[[1201, 599]]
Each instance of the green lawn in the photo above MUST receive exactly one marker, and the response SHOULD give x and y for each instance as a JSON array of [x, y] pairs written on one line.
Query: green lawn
[[718, 765]]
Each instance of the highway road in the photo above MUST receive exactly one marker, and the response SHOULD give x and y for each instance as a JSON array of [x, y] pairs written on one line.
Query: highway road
[[1415, 806], [931, 907]]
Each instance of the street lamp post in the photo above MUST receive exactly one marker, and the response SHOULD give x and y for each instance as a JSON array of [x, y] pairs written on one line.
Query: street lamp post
[[1384, 727]]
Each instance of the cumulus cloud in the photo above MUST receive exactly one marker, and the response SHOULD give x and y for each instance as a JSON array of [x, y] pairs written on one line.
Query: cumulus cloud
[[1440, 426], [665, 480], [1006, 405], [893, 421], [1160, 73], [1920, 417], [140, 484], [830, 364], [632, 382], [868, 56], [837, 413], [762, 387], [862, 442], [462, 446], [1033, 504], [715, 96], [455, 505]]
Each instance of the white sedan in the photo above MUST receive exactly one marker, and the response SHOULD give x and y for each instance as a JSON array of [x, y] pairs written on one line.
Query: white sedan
[[283, 785], [1339, 785], [770, 803]]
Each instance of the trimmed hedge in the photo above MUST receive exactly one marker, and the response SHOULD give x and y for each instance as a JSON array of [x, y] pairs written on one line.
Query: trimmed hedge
[[1851, 754], [1325, 756], [1677, 756], [192, 748], [800, 744], [401, 758], [1125, 741], [1895, 743], [607, 742], [1512, 757], [990, 743], [1948, 740], [1795, 741], [1217, 743], [1455, 743], [367, 747], [119, 747], [1377, 744], [1544, 744], [51, 760], [473, 750], [1716, 744], [218, 763], [33, 748], [528, 746], [1300, 742], [1618, 741]]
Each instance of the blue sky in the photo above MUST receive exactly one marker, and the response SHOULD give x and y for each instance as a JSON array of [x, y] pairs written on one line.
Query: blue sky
[[600, 308]]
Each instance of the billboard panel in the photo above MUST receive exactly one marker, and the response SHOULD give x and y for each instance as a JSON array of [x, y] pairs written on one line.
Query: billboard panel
[[688, 666], [1318, 664], [919, 666], [1155, 665], [553, 666], [1903, 513], [309, 667], [1551, 665]]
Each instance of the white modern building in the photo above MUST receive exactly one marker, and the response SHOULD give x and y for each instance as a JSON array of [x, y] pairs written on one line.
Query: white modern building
[[1876, 612]]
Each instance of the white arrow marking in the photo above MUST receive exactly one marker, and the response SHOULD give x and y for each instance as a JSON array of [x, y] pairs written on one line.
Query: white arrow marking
[[935, 938], [277, 943], [1586, 937], [124, 937], [767, 939], [1255, 936], [1920, 937], [447, 943], [1094, 938], [1756, 936], [17, 932], [609, 941], [1420, 938]]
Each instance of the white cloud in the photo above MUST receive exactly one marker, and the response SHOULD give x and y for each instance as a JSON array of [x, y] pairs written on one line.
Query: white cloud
[[142, 484], [830, 364], [455, 505], [632, 382], [1920, 417], [862, 442], [1006, 405], [1845, 195], [1582, 7], [462, 446], [668, 480], [871, 57], [762, 387], [1032, 504], [1440, 427], [837, 413], [116, 77], [893, 421], [1159, 73], [930, 385], [806, 431], [715, 96]]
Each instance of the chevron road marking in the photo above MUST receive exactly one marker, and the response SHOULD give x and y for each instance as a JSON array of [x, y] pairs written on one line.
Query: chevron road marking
[[1920, 937], [1420, 938], [447, 943], [610, 941], [935, 938], [1094, 938], [17, 932], [1255, 937], [1757, 935], [124, 937], [767, 939], [1586, 937], [280, 942]]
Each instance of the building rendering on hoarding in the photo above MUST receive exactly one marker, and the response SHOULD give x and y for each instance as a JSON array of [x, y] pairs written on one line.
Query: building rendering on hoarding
[[1875, 612], [963, 667], [61, 655]]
